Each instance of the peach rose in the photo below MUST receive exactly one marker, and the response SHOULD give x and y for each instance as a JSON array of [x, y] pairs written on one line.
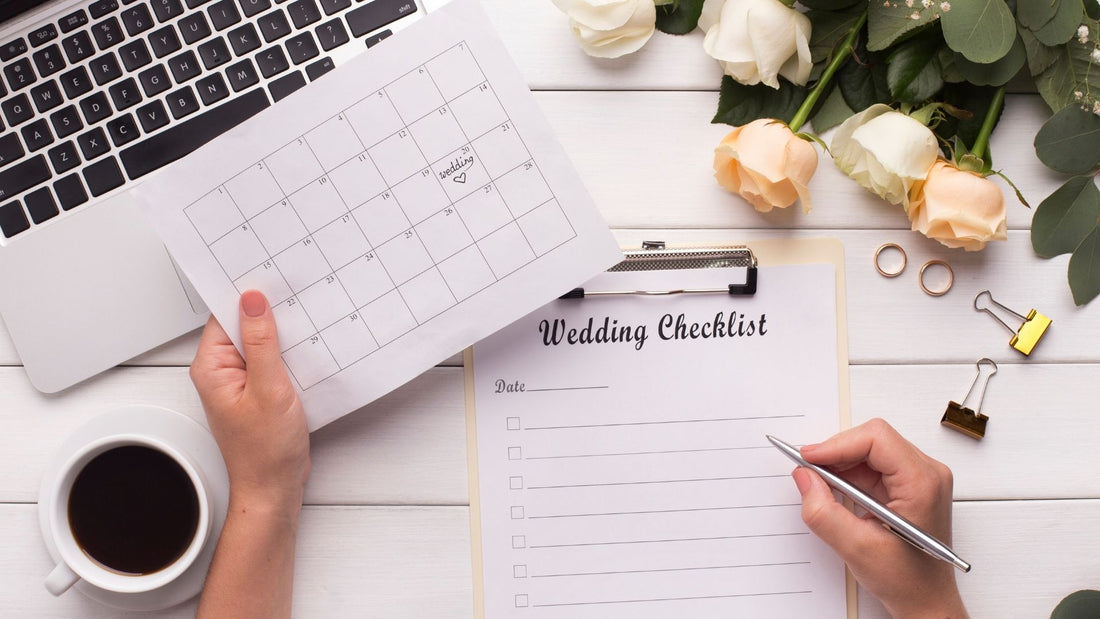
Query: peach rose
[[957, 208], [767, 164]]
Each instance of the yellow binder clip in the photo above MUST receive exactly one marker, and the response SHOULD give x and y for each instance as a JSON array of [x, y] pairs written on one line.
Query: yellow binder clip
[[1030, 331], [970, 421]]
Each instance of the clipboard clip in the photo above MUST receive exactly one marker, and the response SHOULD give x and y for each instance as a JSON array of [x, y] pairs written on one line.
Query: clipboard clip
[[655, 256]]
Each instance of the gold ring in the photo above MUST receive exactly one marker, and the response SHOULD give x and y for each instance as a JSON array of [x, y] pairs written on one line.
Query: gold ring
[[904, 259], [950, 278]]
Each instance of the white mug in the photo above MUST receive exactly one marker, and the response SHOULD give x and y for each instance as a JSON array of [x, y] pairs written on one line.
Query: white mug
[[75, 565]]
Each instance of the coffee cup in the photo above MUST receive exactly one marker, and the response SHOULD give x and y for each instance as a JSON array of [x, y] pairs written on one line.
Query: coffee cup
[[130, 514]]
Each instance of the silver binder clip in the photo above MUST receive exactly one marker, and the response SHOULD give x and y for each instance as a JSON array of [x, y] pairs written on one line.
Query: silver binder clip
[[970, 421]]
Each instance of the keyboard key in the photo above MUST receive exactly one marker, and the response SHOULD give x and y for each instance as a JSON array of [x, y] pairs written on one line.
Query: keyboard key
[[12, 219], [212, 88], [244, 39], [378, 38], [271, 61], [19, 74], [331, 34], [242, 75], [10, 148], [285, 85], [194, 28], [191, 4], [78, 47], [93, 143], [301, 48], [273, 25], [22, 176], [40, 205], [319, 68], [107, 33], [166, 10], [303, 13], [123, 129], [95, 108], [214, 53], [43, 35], [105, 68], [46, 96], [164, 41], [333, 6], [182, 102], [64, 157], [48, 60], [72, 21], [152, 116], [103, 176], [70, 191], [223, 14], [137, 19], [76, 82], [17, 110], [250, 7], [66, 121], [102, 7], [11, 49], [378, 13], [184, 66], [37, 135], [154, 80], [182, 138], [135, 55], [125, 94]]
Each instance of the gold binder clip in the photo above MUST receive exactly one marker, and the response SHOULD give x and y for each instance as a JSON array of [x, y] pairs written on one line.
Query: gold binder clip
[[970, 421], [1030, 331]]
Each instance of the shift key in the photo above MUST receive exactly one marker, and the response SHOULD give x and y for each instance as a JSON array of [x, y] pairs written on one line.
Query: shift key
[[21, 177], [378, 13]]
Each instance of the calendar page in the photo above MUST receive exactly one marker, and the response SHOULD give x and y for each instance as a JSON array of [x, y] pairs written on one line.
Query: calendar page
[[396, 211]]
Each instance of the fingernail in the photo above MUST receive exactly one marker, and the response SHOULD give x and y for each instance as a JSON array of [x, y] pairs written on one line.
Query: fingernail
[[801, 480], [253, 303]]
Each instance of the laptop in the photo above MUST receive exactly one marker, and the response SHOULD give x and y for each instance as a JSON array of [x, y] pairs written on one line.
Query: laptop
[[95, 97]]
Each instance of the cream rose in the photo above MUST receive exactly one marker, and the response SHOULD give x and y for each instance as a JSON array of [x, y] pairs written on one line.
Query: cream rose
[[610, 28], [957, 208], [885, 151], [765, 163], [756, 41]]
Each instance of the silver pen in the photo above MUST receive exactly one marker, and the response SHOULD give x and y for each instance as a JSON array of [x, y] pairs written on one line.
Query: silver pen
[[896, 524]]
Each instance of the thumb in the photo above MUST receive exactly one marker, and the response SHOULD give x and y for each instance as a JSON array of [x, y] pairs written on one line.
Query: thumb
[[260, 339], [827, 518]]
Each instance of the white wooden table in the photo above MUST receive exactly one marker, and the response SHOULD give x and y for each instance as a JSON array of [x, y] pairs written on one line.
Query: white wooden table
[[385, 531]]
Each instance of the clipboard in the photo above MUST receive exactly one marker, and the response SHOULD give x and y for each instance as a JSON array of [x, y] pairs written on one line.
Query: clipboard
[[656, 256]]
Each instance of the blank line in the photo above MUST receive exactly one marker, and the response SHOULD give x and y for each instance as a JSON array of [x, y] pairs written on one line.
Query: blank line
[[651, 423], [683, 599], [567, 389], [647, 453], [672, 569], [670, 540], [667, 511], [656, 481]]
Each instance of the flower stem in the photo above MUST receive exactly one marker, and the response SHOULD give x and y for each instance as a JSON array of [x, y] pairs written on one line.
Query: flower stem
[[839, 58], [981, 144]]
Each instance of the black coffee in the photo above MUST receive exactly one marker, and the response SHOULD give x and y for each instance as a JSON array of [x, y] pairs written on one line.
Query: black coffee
[[133, 509]]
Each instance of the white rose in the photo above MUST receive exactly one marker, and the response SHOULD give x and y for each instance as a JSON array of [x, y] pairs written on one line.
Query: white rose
[[610, 28], [756, 41], [885, 151]]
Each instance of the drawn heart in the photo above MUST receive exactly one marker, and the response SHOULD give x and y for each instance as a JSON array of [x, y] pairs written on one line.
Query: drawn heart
[[460, 178]]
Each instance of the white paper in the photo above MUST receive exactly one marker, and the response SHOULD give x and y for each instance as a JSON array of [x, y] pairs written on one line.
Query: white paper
[[406, 205], [627, 474]]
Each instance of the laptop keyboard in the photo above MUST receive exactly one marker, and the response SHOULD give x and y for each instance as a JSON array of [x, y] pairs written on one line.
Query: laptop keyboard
[[114, 90]]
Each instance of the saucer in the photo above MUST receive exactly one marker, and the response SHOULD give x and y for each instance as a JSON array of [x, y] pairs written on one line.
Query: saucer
[[184, 434]]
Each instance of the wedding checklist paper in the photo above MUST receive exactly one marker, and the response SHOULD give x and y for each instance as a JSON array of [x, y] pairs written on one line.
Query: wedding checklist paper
[[622, 468], [396, 211]]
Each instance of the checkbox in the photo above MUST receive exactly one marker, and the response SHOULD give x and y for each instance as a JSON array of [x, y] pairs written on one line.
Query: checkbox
[[521, 600], [517, 512], [519, 541], [515, 483], [515, 453], [519, 571], [513, 423]]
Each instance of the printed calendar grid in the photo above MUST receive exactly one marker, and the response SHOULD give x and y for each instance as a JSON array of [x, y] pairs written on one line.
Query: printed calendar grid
[[331, 329]]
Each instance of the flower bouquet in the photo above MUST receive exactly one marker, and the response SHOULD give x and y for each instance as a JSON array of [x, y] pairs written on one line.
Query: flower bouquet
[[913, 89]]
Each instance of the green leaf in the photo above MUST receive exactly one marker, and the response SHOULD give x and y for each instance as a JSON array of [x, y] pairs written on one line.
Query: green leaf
[[828, 5], [1084, 279], [1069, 141], [948, 69], [1066, 217], [680, 17], [1039, 56], [887, 22], [739, 104], [827, 29], [994, 73], [1078, 605], [862, 80], [832, 112], [973, 99], [1070, 72], [1064, 25], [1034, 14], [981, 30], [913, 70]]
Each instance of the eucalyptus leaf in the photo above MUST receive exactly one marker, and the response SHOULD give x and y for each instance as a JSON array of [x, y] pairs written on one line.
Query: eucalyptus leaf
[[862, 80], [981, 30], [739, 104], [1071, 72], [1064, 25], [913, 70], [1034, 14], [827, 29], [1092, 9], [995, 73], [948, 69], [831, 113], [1066, 217], [1069, 141], [888, 21], [1039, 56], [680, 17], [1084, 281], [1078, 605], [828, 5]]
